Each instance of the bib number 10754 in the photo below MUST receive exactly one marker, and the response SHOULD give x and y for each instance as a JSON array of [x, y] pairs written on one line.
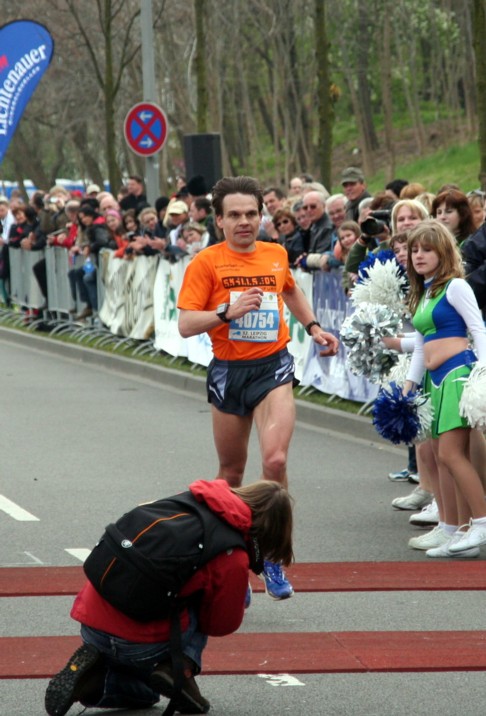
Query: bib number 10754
[[256, 326]]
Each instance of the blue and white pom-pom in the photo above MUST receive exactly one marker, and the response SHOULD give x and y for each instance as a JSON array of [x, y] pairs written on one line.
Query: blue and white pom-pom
[[382, 280], [401, 418], [371, 259], [361, 334], [472, 404]]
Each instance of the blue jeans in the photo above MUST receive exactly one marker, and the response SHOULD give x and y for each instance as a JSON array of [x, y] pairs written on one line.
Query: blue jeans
[[84, 286], [130, 664]]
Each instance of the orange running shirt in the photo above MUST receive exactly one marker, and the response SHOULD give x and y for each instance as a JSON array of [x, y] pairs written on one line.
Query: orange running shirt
[[217, 273]]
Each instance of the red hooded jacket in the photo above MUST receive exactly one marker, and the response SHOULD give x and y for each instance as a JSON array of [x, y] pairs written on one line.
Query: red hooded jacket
[[222, 582]]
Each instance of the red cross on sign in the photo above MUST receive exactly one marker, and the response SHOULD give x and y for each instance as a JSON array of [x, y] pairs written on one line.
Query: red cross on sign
[[145, 129]]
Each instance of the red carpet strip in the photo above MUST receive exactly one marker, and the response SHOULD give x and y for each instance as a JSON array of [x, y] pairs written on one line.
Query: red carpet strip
[[307, 653], [305, 577]]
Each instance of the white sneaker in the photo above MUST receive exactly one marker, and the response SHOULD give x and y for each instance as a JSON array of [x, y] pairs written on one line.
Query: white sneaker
[[428, 516], [444, 551], [414, 501], [474, 537], [434, 538]]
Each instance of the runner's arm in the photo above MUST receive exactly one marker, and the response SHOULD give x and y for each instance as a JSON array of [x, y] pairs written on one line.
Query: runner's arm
[[193, 322], [298, 305]]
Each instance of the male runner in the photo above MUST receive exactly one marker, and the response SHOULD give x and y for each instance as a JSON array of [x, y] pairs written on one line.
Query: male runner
[[235, 291]]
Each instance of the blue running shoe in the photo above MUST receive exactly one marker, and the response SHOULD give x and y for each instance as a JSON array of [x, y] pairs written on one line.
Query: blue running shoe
[[277, 586], [248, 596], [400, 476]]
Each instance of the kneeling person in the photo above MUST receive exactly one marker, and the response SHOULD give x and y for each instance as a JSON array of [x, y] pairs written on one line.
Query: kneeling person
[[126, 662]]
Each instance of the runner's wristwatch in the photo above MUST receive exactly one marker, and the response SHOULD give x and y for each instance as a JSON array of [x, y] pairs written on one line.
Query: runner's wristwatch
[[221, 311], [309, 326]]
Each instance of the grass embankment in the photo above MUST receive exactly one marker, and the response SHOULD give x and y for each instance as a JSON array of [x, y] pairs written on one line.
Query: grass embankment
[[457, 164]]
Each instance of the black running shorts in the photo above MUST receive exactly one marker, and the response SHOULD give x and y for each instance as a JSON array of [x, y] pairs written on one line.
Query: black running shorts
[[237, 386]]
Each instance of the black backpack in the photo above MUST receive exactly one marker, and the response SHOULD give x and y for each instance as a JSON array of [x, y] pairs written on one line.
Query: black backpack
[[143, 560]]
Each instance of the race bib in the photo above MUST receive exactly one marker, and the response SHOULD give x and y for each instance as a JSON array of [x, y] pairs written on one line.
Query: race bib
[[256, 326]]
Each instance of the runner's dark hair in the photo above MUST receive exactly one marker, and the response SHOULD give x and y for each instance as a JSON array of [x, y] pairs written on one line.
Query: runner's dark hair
[[235, 185]]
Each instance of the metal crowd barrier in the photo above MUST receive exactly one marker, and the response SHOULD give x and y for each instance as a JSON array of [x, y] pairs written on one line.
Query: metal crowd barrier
[[24, 289]]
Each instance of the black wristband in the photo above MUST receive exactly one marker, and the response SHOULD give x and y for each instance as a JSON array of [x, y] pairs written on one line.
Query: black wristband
[[309, 326]]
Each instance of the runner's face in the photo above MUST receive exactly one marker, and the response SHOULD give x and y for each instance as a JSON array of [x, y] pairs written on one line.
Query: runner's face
[[240, 221]]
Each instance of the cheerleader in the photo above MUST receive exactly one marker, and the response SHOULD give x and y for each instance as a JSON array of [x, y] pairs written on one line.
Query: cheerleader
[[444, 310]]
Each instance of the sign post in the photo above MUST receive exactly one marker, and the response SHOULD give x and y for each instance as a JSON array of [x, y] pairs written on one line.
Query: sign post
[[149, 95]]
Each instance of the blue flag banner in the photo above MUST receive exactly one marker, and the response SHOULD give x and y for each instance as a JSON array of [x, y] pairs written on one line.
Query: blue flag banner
[[26, 50]]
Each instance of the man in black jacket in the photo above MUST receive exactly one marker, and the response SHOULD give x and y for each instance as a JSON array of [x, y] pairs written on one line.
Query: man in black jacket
[[354, 187], [135, 199], [474, 255]]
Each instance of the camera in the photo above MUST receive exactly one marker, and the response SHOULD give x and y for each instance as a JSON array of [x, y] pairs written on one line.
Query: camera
[[376, 223]]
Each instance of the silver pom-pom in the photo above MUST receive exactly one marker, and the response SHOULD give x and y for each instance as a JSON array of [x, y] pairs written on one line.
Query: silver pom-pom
[[362, 332], [472, 405], [425, 414], [385, 284]]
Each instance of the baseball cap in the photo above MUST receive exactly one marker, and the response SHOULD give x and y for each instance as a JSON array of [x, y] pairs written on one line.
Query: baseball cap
[[352, 174], [177, 207], [93, 189]]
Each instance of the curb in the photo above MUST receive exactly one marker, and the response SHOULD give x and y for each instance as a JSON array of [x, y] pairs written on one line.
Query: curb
[[317, 416]]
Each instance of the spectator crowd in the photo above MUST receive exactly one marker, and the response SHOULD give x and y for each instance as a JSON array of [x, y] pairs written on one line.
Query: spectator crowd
[[319, 231]]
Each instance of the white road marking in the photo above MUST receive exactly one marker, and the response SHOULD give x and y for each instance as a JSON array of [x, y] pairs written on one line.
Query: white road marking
[[80, 554], [36, 560], [18, 513], [281, 680]]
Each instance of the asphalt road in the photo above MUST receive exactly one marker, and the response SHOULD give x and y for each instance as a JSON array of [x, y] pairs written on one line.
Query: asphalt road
[[83, 442]]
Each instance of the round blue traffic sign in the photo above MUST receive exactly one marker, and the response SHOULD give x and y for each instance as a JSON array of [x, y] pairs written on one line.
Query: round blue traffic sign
[[145, 129]]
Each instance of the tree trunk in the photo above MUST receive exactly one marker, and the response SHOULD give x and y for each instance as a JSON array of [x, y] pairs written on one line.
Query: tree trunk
[[470, 78], [386, 89], [325, 111], [364, 93], [479, 29], [202, 92], [114, 175]]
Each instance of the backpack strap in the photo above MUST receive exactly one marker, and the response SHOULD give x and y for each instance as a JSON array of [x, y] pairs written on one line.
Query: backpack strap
[[177, 658]]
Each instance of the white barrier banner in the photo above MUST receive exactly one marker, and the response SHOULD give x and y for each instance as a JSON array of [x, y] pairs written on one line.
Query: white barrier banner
[[140, 311], [115, 273], [168, 281]]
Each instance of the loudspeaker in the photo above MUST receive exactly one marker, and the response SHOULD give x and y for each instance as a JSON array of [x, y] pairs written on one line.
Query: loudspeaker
[[202, 154]]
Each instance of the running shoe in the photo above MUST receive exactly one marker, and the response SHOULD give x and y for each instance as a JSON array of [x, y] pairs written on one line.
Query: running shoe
[[277, 586], [417, 499], [429, 515], [434, 538], [400, 476], [444, 549], [474, 537]]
